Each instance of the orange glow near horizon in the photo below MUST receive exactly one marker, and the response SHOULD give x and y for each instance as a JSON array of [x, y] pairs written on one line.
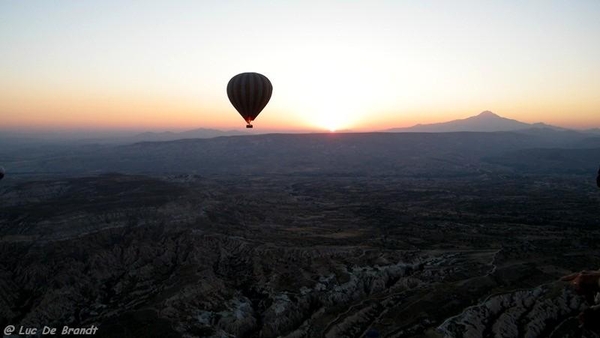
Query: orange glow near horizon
[[143, 115]]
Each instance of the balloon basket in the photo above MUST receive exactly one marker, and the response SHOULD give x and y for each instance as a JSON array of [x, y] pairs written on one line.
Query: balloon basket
[[249, 126]]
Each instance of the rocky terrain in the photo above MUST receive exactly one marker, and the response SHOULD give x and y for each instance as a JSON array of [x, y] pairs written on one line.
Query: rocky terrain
[[302, 257], [545, 311], [475, 251]]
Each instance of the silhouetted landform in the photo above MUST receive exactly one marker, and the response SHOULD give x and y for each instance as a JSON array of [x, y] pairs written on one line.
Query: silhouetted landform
[[22, 139], [319, 235], [370, 154], [171, 136], [486, 121], [593, 131]]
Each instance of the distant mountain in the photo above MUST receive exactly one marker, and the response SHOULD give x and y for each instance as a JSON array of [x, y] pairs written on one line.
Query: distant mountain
[[32, 138], [171, 136], [484, 122], [593, 131]]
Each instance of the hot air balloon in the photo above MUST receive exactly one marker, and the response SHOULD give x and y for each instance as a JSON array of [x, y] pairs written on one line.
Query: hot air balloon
[[598, 179], [2, 172], [249, 93]]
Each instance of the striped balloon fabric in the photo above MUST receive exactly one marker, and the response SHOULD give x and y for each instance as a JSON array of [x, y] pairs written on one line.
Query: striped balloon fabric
[[249, 93]]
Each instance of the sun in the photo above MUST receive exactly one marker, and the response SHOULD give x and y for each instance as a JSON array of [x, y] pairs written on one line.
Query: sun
[[331, 113], [332, 121], [330, 90]]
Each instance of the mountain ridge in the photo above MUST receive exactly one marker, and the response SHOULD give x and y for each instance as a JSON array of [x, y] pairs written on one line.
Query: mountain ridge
[[485, 121]]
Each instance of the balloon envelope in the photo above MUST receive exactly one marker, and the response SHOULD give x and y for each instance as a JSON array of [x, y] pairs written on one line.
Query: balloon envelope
[[249, 93], [2, 173], [598, 179]]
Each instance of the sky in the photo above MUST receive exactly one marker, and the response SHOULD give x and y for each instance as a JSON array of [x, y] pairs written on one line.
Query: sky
[[334, 65]]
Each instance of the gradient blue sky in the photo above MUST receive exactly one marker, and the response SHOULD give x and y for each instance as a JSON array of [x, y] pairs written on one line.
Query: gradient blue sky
[[360, 65]]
